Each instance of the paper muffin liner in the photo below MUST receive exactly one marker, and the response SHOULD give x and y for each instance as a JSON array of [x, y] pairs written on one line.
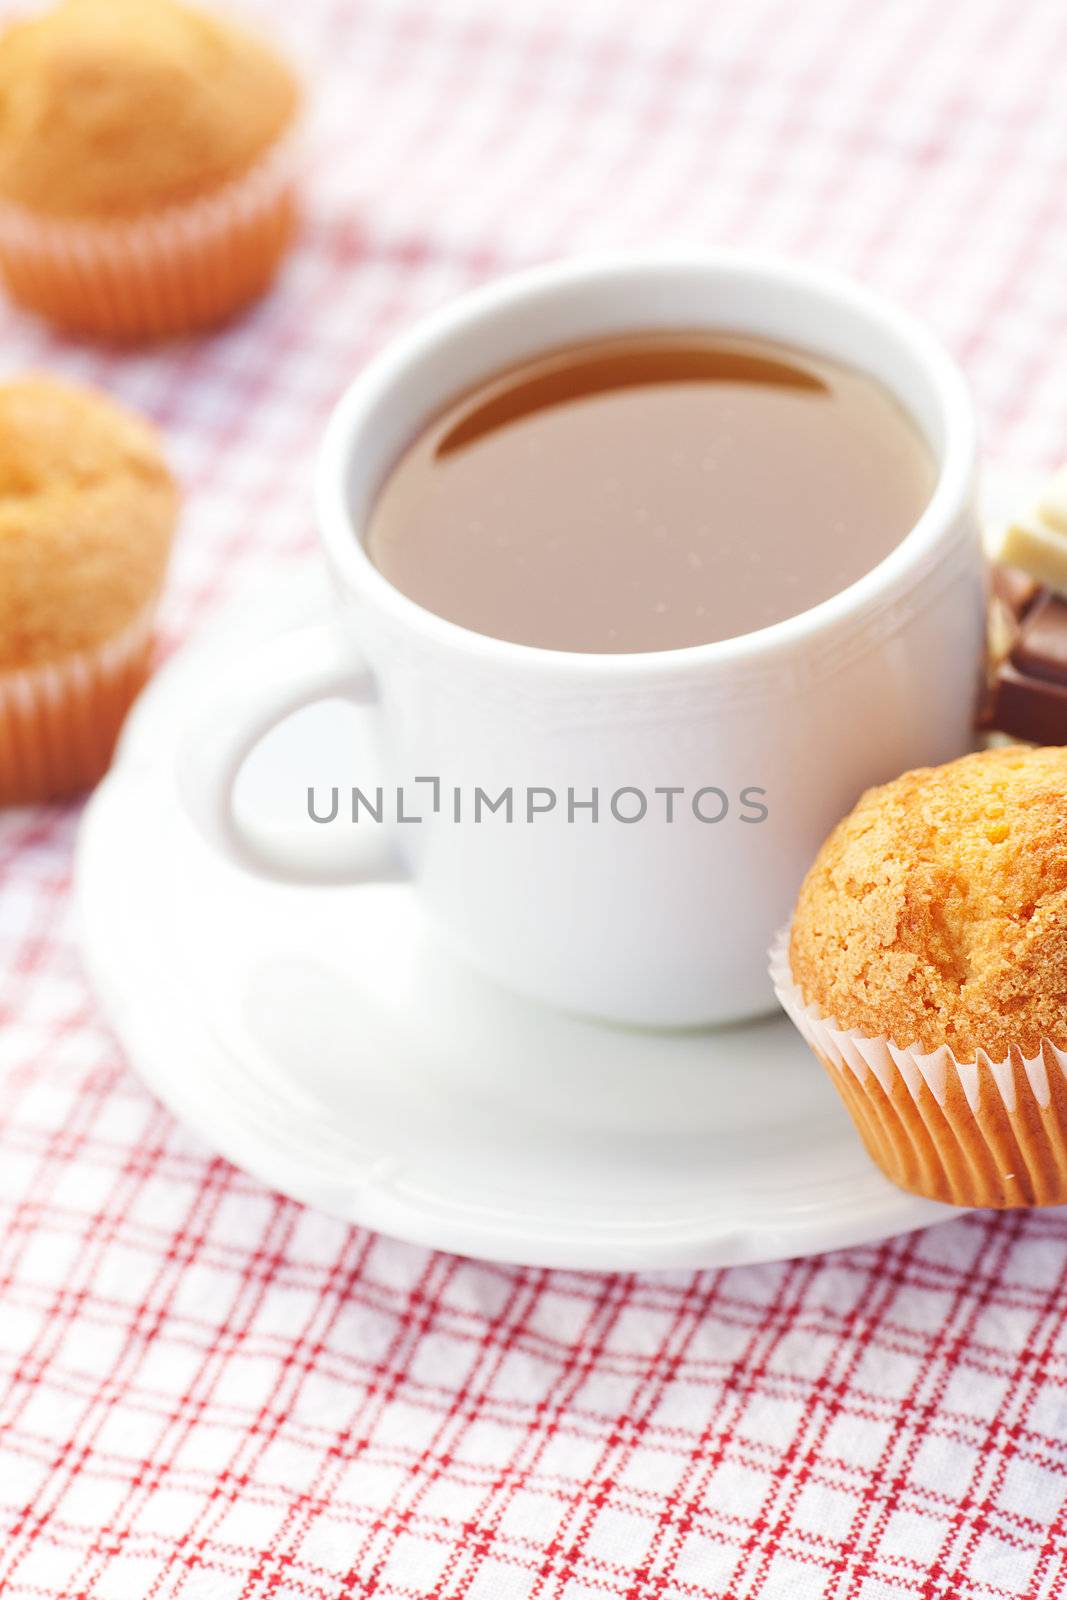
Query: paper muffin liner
[[986, 1132], [187, 267], [59, 721]]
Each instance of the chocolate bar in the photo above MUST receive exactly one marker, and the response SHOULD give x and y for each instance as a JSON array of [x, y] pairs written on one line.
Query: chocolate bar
[[1040, 650], [1028, 678], [1014, 589]]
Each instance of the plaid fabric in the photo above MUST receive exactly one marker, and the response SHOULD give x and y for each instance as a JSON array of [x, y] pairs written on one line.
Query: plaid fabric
[[209, 1392]]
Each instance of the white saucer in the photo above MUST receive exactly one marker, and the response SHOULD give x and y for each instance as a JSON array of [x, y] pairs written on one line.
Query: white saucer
[[326, 1042]]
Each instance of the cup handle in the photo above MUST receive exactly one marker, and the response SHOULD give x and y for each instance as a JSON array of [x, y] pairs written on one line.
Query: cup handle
[[271, 681]]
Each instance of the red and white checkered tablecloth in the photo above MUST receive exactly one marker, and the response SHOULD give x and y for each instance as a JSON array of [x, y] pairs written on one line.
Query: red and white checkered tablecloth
[[209, 1392]]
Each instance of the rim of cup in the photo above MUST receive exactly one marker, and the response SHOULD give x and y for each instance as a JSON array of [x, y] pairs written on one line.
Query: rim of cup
[[527, 291]]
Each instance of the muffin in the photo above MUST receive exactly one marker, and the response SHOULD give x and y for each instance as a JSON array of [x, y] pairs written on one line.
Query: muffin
[[926, 965], [87, 511], [146, 166]]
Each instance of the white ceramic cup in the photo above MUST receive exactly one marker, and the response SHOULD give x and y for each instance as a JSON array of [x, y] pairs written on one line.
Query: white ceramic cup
[[647, 922]]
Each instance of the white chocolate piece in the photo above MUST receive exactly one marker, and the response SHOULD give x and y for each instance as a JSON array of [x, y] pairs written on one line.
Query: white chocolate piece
[[1037, 548], [992, 740], [1052, 506]]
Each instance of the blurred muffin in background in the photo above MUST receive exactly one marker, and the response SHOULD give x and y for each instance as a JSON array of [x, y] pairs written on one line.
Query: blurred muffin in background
[[146, 166], [87, 512]]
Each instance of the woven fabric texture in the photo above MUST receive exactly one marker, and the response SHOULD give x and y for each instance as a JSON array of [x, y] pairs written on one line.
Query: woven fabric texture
[[208, 1392]]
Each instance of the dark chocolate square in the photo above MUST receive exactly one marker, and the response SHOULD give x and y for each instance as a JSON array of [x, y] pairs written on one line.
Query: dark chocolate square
[[1014, 589], [1040, 650], [1028, 708]]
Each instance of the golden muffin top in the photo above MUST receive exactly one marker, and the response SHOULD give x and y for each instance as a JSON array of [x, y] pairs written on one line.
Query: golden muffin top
[[109, 108], [87, 510], [936, 912]]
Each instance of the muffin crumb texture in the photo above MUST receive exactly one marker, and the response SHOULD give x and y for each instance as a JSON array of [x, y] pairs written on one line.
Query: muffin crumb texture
[[109, 108], [87, 508], [936, 911]]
